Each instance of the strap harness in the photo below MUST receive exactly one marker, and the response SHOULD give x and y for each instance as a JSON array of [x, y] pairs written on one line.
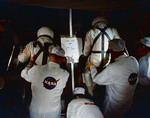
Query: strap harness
[[102, 31], [96, 38], [43, 49]]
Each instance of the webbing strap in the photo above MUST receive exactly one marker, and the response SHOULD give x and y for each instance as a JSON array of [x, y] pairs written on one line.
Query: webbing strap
[[45, 53], [97, 38], [103, 30], [43, 49], [38, 53], [95, 41], [102, 48]]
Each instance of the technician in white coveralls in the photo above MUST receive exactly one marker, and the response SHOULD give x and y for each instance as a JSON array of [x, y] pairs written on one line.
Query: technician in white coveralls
[[144, 62], [96, 45], [120, 78], [47, 84], [38, 51], [80, 107]]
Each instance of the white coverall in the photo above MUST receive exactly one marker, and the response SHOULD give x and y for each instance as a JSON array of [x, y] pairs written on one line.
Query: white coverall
[[47, 84], [30, 51], [144, 70], [96, 58], [119, 91], [83, 108]]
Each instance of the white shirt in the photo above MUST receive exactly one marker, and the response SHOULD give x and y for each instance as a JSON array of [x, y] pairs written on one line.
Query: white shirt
[[119, 91], [83, 108], [47, 84], [144, 70]]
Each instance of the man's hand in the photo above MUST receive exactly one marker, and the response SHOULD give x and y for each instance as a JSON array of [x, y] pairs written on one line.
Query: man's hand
[[90, 64], [29, 65]]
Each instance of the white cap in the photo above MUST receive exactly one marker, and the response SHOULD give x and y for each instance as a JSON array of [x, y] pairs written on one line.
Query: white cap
[[79, 90], [145, 41], [58, 51], [117, 45]]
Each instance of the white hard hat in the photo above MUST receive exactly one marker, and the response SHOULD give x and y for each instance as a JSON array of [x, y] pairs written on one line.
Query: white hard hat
[[98, 20], [45, 31], [58, 51], [117, 45], [145, 41], [79, 90]]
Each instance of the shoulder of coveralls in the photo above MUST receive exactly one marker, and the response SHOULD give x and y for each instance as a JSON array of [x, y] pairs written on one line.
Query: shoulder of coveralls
[[23, 55], [66, 74], [36, 69], [92, 32], [133, 59], [114, 30], [134, 63], [145, 60], [30, 44], [148, 56]]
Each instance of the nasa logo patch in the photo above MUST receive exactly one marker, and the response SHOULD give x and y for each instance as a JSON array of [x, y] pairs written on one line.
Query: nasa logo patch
[[132, 79], [50, 83]]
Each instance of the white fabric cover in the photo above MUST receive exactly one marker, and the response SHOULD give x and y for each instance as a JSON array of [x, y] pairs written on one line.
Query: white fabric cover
[[144, 70], [46, 100], [31, 51], [83, 108], [119, 92]]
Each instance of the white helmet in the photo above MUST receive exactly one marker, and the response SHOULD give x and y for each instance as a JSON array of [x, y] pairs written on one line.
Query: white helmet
[[98, 20], [45, 31]]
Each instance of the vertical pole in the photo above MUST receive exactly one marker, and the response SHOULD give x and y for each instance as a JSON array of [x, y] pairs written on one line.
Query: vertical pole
[[10, 58], [70, 22], [72, 63]]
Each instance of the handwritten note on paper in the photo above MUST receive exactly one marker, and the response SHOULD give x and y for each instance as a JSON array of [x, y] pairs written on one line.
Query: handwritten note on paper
[[72, 47]]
